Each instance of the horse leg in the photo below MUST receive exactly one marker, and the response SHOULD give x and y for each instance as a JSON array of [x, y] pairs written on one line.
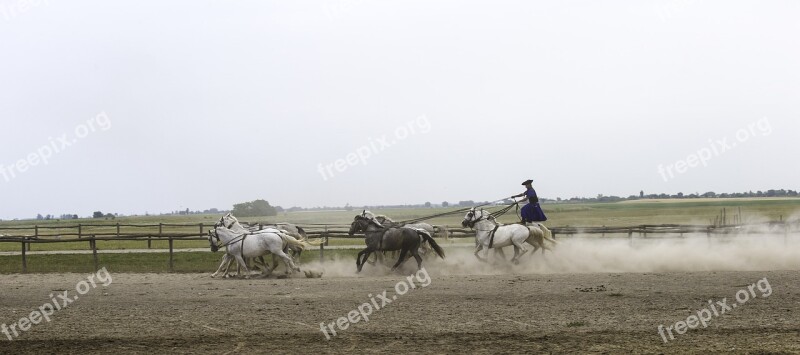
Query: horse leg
[[226, 261], [478, 248], [415, 254], [515, 259], [296, 254], [518, 244], [401, 259], [243, 265], [501, 253], [274, 262], [374, 261], [290, 266], [261, 264], [359, 261]]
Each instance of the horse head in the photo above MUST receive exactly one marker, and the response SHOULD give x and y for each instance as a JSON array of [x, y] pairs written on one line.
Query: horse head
[[228, 221], [212, 234], [472, 217]]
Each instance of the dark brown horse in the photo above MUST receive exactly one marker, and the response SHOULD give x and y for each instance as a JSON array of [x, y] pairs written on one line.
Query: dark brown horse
[[379, 238]]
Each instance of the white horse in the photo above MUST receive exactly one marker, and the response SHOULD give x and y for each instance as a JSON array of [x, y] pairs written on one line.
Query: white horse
[[490, 234], [232, 223], [242, 246]]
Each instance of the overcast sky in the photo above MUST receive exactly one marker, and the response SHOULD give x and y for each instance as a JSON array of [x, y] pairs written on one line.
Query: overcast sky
[[163, 105]]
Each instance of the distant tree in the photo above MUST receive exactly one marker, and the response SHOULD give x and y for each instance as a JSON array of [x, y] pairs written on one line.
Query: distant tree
[[97, 214], [110, 216], [347, 207], [257, 208], [39, 216], [445, 204], [641, 194], [427, 204]]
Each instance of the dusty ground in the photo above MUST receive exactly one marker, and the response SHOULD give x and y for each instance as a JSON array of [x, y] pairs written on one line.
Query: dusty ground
[[603, 296], [604, 313]]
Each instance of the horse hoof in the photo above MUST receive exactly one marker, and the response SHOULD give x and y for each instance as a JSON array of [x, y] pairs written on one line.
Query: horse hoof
[[515, 262]]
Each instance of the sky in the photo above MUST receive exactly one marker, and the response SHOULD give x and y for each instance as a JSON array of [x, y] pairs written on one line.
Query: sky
[[154, 106]]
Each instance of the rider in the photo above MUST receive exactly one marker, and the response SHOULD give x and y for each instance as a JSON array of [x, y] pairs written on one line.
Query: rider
[[532, 212]]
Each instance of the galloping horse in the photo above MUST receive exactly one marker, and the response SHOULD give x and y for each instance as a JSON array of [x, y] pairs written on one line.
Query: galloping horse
[[490, 234], [242, 246], [379, 238]]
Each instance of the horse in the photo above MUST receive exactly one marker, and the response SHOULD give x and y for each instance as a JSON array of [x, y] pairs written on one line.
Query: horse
[[431, 229], [379, 238], [490, 234], [244, 245], [230, 222], [384, 221]]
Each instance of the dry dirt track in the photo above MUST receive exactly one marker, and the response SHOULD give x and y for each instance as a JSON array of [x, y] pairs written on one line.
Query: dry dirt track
[[515, 313]]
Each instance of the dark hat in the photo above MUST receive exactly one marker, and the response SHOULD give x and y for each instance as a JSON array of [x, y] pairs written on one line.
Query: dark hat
[[527, 182]]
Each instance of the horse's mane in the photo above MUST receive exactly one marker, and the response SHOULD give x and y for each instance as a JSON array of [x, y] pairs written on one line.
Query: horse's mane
[[382, 218]]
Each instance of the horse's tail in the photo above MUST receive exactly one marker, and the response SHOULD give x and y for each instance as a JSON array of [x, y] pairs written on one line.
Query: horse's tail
[[295, 243], [548, 235], [427, 237], [315, 243]]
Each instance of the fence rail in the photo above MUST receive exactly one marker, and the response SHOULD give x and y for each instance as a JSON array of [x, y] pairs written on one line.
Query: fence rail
[[92, 233]]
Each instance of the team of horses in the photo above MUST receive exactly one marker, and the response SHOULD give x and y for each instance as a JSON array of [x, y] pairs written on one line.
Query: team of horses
[[246, 244]]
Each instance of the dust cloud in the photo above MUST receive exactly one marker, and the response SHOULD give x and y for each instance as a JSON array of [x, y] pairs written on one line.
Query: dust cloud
[[591, 254]]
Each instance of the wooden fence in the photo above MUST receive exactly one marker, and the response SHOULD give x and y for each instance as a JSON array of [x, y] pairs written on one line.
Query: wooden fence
[[92, 233]]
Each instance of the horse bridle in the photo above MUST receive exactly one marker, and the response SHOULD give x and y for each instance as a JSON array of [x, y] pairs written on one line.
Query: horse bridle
[[213, 233], [221, 223]]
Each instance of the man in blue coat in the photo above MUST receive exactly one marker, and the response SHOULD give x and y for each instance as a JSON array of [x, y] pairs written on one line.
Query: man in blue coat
[[532, 212]]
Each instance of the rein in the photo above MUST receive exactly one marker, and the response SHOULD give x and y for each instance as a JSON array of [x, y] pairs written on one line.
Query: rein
[[234, 240]]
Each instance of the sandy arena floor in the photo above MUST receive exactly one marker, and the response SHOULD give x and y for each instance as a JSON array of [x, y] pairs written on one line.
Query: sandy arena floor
[[464, 308]]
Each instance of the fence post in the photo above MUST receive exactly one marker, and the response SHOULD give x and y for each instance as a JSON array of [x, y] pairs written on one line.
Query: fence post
[[321, 253], [630, 236], [117, 229], [171, 266], [93, 243], [201, 229], [24, 259], [80, 233], [150, 240], [35, 235]]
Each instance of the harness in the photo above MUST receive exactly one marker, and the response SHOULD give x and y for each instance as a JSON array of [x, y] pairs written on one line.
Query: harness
[[491, 235], [491, 219]]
